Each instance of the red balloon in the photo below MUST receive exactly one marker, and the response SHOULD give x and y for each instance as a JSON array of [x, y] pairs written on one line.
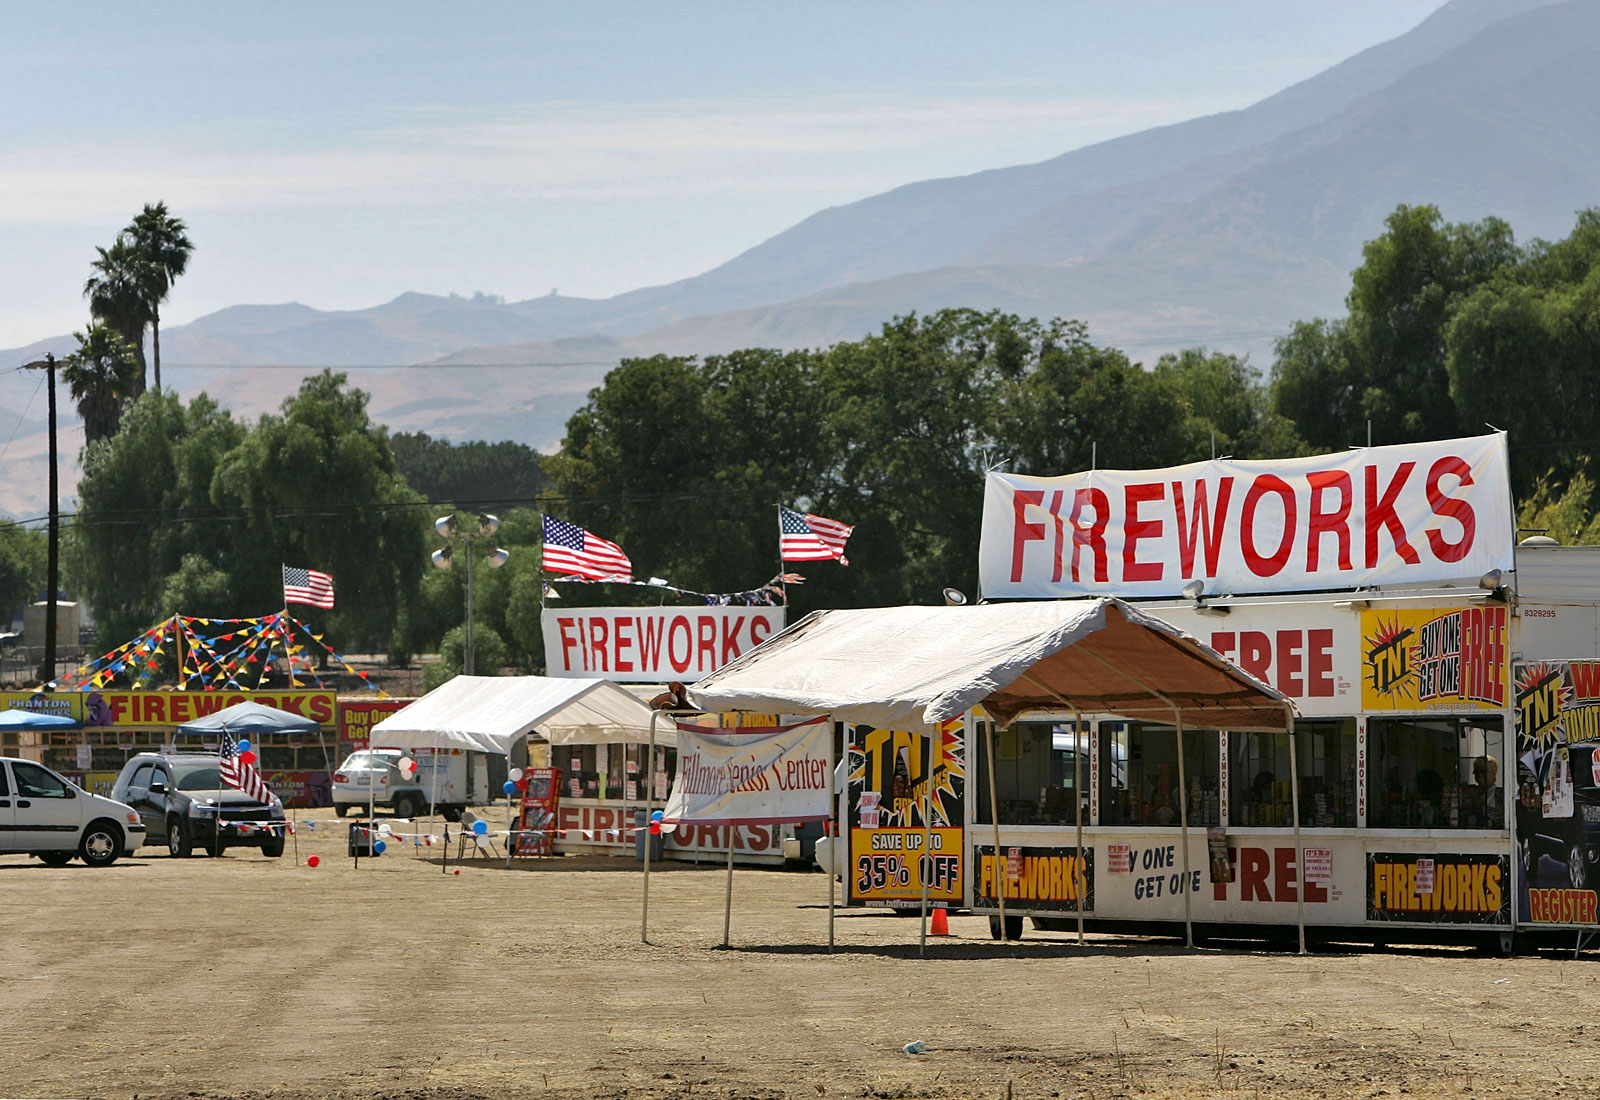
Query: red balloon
[[248, 756], [655, 828], [312, 861]]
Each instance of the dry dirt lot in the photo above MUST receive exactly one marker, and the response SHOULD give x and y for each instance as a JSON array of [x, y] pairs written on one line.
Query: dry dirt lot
[[249, 977]]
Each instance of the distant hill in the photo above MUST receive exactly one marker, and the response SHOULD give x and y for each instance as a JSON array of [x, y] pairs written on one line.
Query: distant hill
[[1217, 231]]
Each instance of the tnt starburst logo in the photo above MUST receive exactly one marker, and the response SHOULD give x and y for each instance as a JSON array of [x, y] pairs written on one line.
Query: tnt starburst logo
[[897, 764], [1543, 694], [1389, 659]]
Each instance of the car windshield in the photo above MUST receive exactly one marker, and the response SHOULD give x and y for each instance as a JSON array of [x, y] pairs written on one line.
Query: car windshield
[[368, 761], [196, 777]]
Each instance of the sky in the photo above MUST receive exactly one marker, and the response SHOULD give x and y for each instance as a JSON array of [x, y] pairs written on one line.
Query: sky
[[341, 154]]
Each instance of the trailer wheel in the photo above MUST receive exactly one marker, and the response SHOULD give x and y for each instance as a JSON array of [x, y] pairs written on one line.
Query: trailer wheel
[[1013, 927], [407, 805]]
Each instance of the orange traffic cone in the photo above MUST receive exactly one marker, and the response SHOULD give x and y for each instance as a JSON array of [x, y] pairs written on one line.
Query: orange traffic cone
[[941, 923]]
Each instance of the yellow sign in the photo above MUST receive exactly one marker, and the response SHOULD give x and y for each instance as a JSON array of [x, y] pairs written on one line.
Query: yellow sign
[[174, 708], [68, 704], [889, 864], [1435, 659]]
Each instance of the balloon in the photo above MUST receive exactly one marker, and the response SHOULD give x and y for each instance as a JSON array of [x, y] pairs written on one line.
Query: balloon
[[458, 870], [480, 827], [509, 787], [385, 829], [483, 841], [407, 765], [515, 774], [656, 816], [244, 744], [655, 828], [312, 861], [379, 848], [247, 757]]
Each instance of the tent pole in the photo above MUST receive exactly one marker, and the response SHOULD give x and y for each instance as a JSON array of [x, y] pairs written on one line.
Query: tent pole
[[433, 800], [1183, 829], [925, 869], [994, 814], [828, 871], [649, 812], [1077, 812], [1299, 852], [727, 901]]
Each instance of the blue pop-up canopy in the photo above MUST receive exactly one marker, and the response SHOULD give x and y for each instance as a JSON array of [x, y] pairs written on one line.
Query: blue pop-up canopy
[[250, 719], [15, 719]]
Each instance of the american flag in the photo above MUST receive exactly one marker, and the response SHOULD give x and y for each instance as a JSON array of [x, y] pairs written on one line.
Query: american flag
[[239, 775], [568, 548], [811, 538], [307, 586]]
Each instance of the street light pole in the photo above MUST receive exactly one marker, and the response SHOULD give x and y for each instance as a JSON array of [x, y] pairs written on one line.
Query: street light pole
[[448, 529], [47, 668]]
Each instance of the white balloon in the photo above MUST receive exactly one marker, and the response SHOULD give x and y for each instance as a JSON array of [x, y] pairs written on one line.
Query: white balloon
[[385, 829], [407, 764], [515, 774], [483, 840]]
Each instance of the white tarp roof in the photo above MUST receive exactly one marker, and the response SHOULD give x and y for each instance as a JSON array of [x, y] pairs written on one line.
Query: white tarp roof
[[489, 714], [908, 668]]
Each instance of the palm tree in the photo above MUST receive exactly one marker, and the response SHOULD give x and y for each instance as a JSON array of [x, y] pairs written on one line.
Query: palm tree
[[102, 374], [119, 296], [164, 243]]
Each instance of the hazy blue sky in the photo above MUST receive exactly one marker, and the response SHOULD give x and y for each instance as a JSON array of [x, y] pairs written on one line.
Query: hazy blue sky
[[338, 154]]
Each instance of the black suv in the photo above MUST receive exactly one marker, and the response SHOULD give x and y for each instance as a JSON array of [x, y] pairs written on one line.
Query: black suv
[[1572, 841], [182, 800]]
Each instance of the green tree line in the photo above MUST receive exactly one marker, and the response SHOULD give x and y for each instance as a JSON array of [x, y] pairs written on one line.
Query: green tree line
[[683, 460]]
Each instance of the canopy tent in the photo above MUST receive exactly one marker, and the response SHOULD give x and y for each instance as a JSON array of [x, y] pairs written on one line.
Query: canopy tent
[[15, 719], [909, 668], [490, 713], [250, 719]]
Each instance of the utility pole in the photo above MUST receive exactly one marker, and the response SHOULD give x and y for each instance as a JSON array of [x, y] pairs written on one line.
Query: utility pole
[[47, 668]]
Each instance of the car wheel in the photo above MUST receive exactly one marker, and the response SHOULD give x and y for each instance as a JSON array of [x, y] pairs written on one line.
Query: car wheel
[[341, 809], [1577, 866], [179, 846], [1013, 927], [101, 844], [215, 850], [55, 859], [407, 806], [272, 847]]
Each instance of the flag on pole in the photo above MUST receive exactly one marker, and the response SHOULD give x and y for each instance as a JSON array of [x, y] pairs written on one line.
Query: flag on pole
[[811, 538], [307, 586], [568, 548], [239, 775]]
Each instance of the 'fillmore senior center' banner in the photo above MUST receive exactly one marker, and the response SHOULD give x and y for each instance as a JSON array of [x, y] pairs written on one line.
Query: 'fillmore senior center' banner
[[1380, 515], [762, 777], [652, 645]]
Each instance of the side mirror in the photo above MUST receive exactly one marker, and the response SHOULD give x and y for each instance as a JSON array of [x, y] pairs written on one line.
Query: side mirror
[[158, 785]]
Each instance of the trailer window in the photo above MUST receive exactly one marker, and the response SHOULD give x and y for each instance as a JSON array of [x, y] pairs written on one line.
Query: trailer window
[[1258, 776], [1033, 773], [1139, 775], [1436, 772]]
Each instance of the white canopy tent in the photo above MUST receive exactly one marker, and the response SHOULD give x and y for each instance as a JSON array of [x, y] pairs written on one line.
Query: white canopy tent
[[909, 668], [491, 713]]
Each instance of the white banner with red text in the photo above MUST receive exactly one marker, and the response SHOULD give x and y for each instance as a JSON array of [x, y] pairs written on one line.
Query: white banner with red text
[[751, 776], [652, 645], [1410, 513]]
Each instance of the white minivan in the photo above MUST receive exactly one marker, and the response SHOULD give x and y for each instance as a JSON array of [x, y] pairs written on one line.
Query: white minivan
[[449, 781], [45, 815]]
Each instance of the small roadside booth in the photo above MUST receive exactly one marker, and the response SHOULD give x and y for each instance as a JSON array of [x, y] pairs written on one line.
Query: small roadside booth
[[912, 668]]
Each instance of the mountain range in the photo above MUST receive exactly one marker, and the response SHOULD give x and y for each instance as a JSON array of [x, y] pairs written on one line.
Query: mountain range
[[1220, 231]]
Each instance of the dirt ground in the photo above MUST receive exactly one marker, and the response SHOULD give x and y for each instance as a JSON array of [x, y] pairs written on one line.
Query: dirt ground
[[249, 977]]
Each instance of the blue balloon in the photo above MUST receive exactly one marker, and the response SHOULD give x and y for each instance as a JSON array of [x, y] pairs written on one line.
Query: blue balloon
[[378, 848], [509, 787], [244, 744], [656, 816], [480, 827]]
